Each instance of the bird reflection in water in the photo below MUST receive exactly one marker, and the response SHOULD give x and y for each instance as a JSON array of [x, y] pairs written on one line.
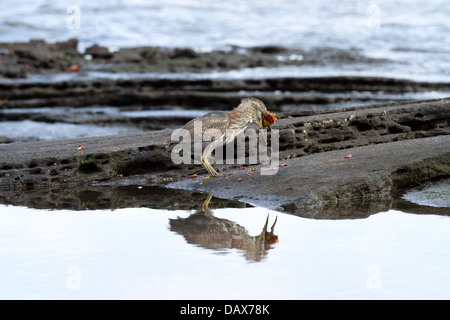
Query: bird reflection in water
[[207, 231]]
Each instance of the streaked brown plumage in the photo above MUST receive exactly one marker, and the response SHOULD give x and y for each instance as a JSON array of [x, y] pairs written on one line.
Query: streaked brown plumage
[[230, 124]]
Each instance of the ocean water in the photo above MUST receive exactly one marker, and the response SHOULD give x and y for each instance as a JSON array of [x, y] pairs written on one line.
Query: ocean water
[[411, 35]]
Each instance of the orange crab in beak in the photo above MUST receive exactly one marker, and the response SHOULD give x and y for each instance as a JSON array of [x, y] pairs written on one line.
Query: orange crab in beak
[[269, 119]]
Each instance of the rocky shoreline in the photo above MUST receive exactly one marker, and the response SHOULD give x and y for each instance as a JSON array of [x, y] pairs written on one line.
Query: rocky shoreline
[[40, 74], [393, 146], [205, 93], [394, 142], [40, 57]]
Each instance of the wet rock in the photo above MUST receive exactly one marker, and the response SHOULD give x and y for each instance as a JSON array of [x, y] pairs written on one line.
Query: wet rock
[[317, 176], [38, 57], [126, 55], [97, 51], [268, 49], [364, 126], [112, 197], [205, 94], [69, 47], [5, 140], [149, 53], [327, 185], [14, 72], [42, 57], [184, 53]]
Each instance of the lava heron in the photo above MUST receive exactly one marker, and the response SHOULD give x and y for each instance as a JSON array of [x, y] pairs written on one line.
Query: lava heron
[[229, 124]]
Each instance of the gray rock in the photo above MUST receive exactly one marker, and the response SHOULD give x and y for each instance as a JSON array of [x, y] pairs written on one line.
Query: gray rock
[[97, 51], [392, 147]]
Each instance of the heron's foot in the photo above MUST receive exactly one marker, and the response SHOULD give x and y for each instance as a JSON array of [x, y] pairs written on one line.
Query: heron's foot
[[208, 167], [212, 171], [210, 176]]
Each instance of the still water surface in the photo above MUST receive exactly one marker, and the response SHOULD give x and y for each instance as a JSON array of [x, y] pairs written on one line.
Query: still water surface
[[143, 253]]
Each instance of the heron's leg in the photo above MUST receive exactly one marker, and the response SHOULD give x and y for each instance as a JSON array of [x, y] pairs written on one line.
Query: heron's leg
[[273, 226], [205, 161], [206, 203], [211, 169], [204, 164], [268, 237], [207, 166]]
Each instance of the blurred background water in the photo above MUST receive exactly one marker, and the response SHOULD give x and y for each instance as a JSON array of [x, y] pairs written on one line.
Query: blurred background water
[[412, 35]]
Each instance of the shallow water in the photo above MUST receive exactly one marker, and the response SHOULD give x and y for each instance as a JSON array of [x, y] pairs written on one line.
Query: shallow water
[[144, 253], [64, 122], [436, 195], [28, 130]]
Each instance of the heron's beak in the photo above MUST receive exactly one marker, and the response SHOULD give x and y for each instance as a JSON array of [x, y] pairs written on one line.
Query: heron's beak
[[261, 126]]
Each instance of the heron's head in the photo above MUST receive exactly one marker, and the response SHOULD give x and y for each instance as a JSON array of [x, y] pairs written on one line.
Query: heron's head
[[256, 110]]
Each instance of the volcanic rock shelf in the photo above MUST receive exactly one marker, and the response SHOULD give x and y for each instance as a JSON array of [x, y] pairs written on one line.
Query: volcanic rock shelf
[[392, 146]]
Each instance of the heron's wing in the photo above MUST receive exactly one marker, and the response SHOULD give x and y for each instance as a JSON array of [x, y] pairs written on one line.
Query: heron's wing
[[212, 120], [197, 127]]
